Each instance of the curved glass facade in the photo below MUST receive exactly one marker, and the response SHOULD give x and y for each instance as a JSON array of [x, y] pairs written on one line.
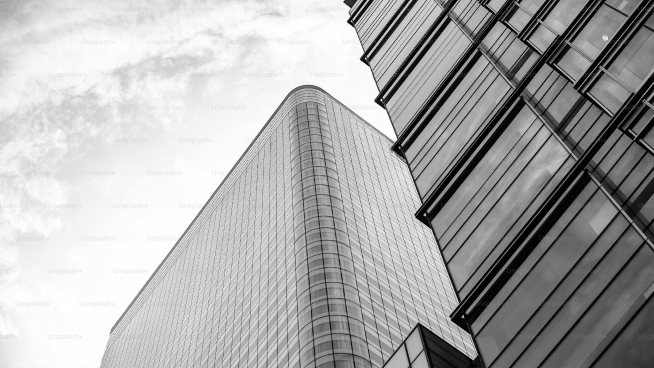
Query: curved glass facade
[[307, 255]]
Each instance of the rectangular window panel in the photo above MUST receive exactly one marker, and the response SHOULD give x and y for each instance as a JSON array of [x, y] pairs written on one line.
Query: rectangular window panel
[[403, 40], [636, 60], [519, 18], [558, 19], [495, 5], [446, 104], [491, 160], [573, 63], [584, 268], [563, 13], [575, 306], [591, 41], [371, 23], [426, 76], [516, 226], [609, 93], [635, 345], [542, 38], [521, 15], [505, 48], [454, 116], [546, 275], [523, 269], [608, 315], [639, 121], [522, 70], [505, 211], [465, 127], [599, 30], [471, 14], [517, 159], [626, 7]]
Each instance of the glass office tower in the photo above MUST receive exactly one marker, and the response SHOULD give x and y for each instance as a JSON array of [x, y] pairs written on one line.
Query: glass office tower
[[527, 127], [307, 255]]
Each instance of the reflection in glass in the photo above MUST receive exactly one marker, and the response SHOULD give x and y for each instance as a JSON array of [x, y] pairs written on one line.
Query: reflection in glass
[[636, 60], [598, 32], [563, 14], [634, 347], [506, 210], [542, 38], [546, 275], [575, 306], [627, 293]]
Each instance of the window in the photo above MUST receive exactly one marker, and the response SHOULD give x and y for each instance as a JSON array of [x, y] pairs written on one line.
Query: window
[[628, 70], [546, 274], [593, 37], [556, 22]]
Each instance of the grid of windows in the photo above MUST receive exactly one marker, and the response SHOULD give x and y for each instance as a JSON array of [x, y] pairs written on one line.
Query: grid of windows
[[532, 101], [307, 255]]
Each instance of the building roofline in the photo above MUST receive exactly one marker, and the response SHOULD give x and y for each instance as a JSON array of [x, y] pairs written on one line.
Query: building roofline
[[305, 86], [298, 88]]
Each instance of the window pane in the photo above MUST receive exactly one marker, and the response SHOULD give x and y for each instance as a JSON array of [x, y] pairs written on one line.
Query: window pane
[[542, 38], [608, 315], [635, 345], [506, 210], [563, 14], [544, 244], [514, 132], [413, 344], [496, 4], [404, 38], [435, 126], [585, 267], [517, 159], [636, 60], [463, 129], [577, 304], [610, 93], [399, 360], [573, 63], [546, 275], [517, 226], [519, 19], [426, 76], [644, 119], [625, 6], [598, 32], [532, 6]]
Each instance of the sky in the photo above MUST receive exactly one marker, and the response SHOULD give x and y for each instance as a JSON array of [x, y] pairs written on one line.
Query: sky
[[118, 119]]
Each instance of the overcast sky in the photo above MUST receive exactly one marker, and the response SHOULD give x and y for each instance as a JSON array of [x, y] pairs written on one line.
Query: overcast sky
[[118, 120]]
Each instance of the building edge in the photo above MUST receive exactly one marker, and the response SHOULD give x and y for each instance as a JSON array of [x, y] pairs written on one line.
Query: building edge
[[172, 249]]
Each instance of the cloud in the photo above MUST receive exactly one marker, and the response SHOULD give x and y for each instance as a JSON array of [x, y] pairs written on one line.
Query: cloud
[[78, 76]]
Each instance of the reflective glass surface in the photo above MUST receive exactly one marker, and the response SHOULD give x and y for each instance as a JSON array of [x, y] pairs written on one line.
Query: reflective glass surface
[[308, 255], [546, 270], [404, 37], [424, 349]]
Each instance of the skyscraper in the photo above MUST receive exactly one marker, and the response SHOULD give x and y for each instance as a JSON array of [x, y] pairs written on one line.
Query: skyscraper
[[307, 255], [527, 127]]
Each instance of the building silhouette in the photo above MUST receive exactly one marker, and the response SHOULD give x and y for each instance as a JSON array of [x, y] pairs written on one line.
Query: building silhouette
[[307, 255], [527, 127]]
